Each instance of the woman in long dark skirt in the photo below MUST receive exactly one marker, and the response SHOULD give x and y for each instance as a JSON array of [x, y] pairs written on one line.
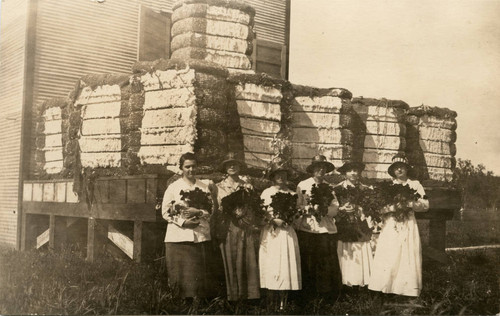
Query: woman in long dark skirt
[[187, 240], [318, 239]]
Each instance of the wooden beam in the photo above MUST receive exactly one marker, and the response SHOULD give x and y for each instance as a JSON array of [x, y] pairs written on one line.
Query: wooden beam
[[42, 239], [57, 232], [137, 241], [122, 241], [91, 239]]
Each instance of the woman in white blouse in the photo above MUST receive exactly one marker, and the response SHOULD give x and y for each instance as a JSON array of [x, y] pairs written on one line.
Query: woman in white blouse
[[397, 266], [188, 234]]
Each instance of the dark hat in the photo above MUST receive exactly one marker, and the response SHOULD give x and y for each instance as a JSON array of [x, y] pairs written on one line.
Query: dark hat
[[232, 157], [278, 164], [351, 165], [397, 160], [320, 160]]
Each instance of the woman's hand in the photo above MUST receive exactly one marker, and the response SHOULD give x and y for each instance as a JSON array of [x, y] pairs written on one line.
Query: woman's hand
[[191, 212], [191, 223], [411, 204], [347, 207], [278, 222]]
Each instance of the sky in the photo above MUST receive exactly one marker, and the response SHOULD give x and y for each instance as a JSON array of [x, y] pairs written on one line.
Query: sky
[[439, 53]]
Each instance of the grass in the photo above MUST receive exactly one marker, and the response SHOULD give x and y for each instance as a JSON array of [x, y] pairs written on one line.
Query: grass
[[45, 282]]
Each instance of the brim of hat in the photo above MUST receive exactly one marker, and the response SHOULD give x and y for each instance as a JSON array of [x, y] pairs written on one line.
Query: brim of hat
[[391, 168], [351, 165], [223, 164], [329, 166]]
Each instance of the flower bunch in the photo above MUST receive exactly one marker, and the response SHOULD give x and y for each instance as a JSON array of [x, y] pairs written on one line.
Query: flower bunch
[[351, 225], [243, 207], [398, 199], [320, 199], [197, 198], [284, 206]]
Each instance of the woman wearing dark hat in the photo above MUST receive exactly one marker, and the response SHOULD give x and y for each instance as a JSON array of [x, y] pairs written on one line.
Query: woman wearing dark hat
[[355, 256], [317, 238], [187, 239], [397, 266], [237, 241], [279, 255]]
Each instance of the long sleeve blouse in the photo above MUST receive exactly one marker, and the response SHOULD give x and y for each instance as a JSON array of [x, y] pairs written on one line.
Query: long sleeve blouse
[[175, 231], [308, 223]]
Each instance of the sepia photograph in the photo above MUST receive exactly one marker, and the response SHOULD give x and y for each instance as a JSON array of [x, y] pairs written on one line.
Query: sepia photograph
[[249, 157]]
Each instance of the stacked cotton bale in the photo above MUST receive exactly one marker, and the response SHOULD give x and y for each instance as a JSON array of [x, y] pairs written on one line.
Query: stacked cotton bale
[[185, 110], [218, 31], [263, 113], [380, 131], [101, 122], [430, 142], [52, 121], [321, 124]]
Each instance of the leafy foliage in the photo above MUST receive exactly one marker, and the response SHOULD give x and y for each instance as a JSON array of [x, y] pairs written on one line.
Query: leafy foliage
[[244, 208], [319, 201], [284, 206], [197, 198]]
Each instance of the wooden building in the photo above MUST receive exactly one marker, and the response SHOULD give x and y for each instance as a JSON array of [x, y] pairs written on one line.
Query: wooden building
[[46, 45]]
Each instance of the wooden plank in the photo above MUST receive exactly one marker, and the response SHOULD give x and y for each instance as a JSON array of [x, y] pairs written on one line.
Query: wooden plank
[[57, 232], [42, 239], [122, 241], [125, 211], [27, 191], [117, 191], [91, 239], [48, 192], [444, 198], [137, 241], [60, 192], [101, 191], [136, 191], [71, 197], [151, 190], [283, 62], [37, 192]]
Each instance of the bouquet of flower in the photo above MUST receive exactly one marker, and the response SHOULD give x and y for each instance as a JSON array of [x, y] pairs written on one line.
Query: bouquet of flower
[[243, 207], [196, 198], [284, 206], [398, 198], [350, 225], [319, 201]]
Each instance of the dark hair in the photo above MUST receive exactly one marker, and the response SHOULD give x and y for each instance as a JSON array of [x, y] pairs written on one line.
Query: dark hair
[[186, 156]]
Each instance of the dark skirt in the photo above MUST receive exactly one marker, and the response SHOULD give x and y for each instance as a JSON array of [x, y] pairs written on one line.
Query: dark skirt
[[189, 268], [239, 254], [320, 263]]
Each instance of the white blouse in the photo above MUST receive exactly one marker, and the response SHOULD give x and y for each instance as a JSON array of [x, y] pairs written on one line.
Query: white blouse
[[175, 231]]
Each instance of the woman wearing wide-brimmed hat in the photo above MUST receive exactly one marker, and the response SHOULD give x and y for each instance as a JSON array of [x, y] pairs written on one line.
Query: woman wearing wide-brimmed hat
[[317, 238], [237, 238], [397, 266], [279, 255], [355, 253]]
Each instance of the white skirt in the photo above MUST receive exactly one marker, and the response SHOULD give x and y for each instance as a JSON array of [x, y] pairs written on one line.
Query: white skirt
[[397, 266], [355, 260], [279, 259]]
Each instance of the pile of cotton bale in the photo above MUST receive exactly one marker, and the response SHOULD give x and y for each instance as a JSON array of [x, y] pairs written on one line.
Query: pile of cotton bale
[[380, 133], [263, 113], [50, 139], [213, 30], [321, 124], [430, 140], [185, 110]]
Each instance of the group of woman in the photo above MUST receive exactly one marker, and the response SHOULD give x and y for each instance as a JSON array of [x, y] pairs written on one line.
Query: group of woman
[[278, 255]]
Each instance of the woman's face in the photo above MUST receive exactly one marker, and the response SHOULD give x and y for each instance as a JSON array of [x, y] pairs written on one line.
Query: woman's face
[[401, 172], [353, 175], [233, 168], [280, 178], [319, 170], [188, 168]]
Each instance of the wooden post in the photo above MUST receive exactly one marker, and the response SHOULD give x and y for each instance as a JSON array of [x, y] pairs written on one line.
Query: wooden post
[[28, 236], [91, 239], [57, 232], [437, 234], [137, 241]]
